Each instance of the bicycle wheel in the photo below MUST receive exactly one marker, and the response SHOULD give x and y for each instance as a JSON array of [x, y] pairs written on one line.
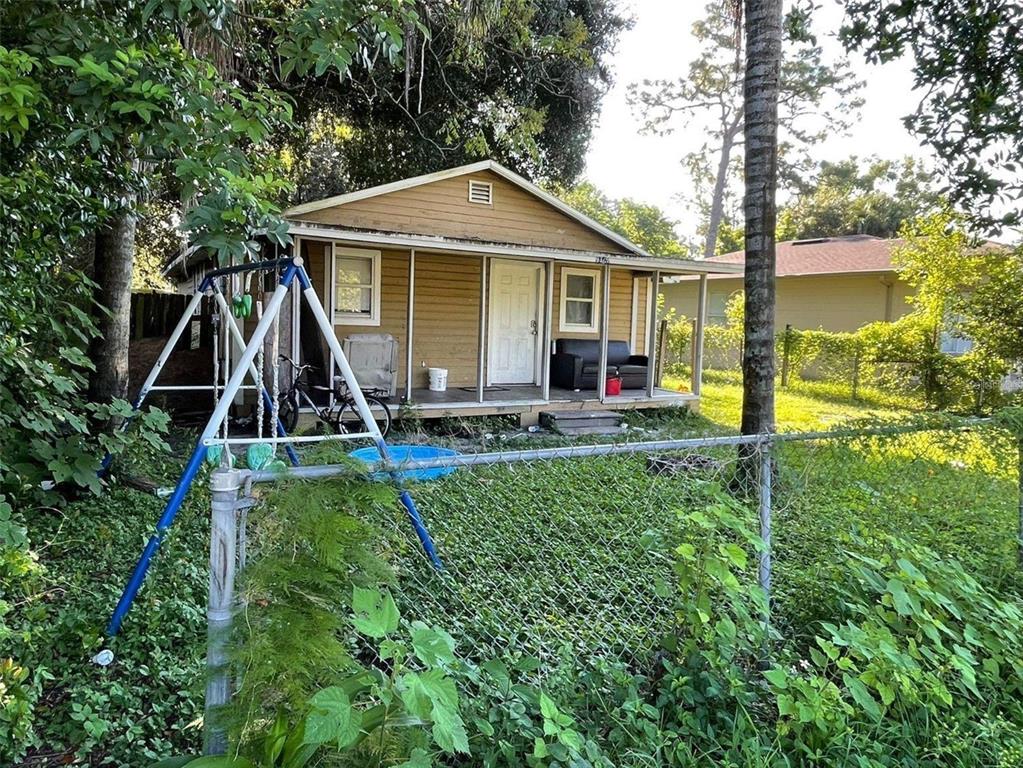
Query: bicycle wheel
[[349, 422], [288, 412]]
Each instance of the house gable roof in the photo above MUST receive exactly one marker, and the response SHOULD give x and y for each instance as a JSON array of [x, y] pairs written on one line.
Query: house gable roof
[[842, 255], [314, 211]]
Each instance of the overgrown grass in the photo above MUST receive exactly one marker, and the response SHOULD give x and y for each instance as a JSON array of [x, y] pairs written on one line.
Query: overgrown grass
[[803, 406], [569, 560], [146, 704]]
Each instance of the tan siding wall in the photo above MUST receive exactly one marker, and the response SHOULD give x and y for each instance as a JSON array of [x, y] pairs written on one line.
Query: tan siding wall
[[442, 208], [620, 324], [831, 302], [446, 321], [393, 295], [642, 312]]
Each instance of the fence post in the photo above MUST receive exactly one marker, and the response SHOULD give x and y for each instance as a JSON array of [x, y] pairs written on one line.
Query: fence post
[[694, 356], [764, 564], [856, 375], [1019, 469], [786, 349], [224, 485]]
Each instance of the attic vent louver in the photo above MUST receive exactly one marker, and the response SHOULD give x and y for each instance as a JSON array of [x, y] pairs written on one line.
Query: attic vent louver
[[481, 192]]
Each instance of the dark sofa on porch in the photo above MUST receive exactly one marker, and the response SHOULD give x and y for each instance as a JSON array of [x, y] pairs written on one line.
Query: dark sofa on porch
[[575, 364]]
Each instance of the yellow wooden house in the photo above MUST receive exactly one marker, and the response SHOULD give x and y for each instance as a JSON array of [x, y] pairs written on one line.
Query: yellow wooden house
[[477, 271]]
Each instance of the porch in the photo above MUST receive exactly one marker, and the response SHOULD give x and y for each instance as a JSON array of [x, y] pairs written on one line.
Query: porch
[[529, 401], [493, 320]]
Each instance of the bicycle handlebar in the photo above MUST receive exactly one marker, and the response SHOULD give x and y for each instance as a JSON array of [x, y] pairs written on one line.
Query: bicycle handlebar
[[295, 366]]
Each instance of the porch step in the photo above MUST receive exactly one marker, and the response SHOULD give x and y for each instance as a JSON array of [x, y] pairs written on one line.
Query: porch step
[[582, 422]]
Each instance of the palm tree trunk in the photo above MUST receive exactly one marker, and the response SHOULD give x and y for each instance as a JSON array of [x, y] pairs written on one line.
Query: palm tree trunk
[[114, 257], [763, 64]]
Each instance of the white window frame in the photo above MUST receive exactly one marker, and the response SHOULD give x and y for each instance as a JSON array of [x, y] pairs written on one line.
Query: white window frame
[[563, 324], [354, 318]]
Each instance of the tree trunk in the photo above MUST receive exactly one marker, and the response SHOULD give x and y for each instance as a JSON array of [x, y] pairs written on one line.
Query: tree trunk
[[717, 201], [763, 64], [114, 255]]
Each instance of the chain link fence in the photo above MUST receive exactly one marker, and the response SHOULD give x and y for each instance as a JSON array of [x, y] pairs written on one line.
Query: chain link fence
[[569, 553]]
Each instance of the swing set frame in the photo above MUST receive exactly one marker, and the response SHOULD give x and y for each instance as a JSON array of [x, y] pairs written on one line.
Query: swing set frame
[[289, 270]]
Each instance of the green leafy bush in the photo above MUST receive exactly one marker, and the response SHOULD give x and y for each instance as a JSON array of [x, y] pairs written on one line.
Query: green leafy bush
[[145, 704], [922, 659]]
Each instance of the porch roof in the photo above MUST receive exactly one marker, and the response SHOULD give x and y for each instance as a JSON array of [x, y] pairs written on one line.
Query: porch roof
[[438, 244]]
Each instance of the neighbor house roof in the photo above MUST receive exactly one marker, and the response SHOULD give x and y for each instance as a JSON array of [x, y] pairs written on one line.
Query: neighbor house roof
[[842, 255]]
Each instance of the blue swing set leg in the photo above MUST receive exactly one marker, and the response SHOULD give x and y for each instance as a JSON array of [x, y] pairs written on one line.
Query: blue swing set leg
[[293, 268]]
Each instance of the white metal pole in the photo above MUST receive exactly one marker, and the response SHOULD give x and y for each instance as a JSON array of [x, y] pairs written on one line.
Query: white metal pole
[[764, 562], [651, 331], [701, 321], [548, 311], [224, 486], [341, 362], [244, 365], [481, 362], [605, 303], [409, 359]]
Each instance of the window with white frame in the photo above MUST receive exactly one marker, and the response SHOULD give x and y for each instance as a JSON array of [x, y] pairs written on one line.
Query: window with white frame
[[356, 296], [717, 306], [580, 299], [952, 340]]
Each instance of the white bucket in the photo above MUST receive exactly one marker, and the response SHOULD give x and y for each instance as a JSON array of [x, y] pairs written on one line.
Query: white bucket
[[438, 379]]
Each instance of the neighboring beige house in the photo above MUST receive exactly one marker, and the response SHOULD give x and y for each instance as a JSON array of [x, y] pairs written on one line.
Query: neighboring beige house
[[831, 283], [477, 271]]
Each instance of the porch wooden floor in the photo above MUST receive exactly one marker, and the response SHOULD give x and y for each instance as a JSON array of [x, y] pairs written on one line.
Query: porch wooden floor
[[528, 399]]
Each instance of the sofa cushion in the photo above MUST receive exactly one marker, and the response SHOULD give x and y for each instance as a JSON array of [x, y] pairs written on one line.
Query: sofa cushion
[[592, 369], [626, 370], [618, 352], [589, 350]]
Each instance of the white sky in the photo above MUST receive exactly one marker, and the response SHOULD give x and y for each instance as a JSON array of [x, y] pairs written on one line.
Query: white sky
[[624, 163]]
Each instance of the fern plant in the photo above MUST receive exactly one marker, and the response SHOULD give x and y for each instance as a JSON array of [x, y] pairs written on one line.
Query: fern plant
[[293, 634], [403, 710]]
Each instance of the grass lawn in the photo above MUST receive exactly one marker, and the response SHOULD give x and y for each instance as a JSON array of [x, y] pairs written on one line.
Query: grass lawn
[[803, 406], [569, 560]]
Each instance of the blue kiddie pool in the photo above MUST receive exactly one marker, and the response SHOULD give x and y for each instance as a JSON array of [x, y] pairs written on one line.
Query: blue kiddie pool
[[403, 453]]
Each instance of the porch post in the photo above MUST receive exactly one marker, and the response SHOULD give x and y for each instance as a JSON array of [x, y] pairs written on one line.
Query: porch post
[[408, 323], [651, 333], [481, 361], [296, 311], [605, 303], [701, 321], [548, 309]]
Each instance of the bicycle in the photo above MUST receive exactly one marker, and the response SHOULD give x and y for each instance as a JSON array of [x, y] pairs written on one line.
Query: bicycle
[[341, 417]]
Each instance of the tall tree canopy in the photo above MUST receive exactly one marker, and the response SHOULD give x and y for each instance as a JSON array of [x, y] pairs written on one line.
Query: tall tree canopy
[[850, 198], [968, 67], [816, 98], [645, 225], [519, 82], [102, 106]]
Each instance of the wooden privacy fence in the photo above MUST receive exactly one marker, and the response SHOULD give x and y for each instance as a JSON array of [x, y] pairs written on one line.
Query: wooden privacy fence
[[153, 317]]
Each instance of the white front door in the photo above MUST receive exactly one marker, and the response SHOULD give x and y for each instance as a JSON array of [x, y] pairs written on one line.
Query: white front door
[[514, 322]]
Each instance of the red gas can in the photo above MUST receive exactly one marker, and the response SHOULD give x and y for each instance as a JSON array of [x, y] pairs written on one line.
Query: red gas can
[[614, 385]]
